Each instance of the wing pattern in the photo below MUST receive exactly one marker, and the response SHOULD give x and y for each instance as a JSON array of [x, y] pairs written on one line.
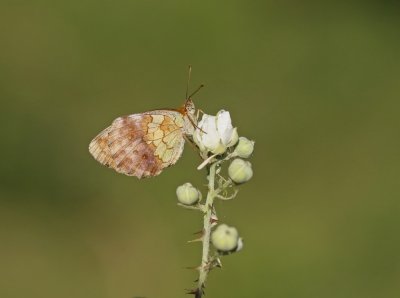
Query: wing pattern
[[140, 145]]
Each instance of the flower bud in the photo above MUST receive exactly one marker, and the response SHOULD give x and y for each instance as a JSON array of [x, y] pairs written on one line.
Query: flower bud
[[240, 171], [244, 148], [225, 238], [187, 194]]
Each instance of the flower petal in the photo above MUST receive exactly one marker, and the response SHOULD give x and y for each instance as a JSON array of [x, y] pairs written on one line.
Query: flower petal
[[234, 138], [197, 138], [224, 126], [210, 138]]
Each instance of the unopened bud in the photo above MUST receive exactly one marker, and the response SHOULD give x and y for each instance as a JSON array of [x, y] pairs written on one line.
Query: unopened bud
[[244, 148], [240, 171], [187, 194], [225, 238]]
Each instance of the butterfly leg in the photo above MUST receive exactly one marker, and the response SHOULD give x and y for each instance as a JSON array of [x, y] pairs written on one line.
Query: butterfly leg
[[198, 113]]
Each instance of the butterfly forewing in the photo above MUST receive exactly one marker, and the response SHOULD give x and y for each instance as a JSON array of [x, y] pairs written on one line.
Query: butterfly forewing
[[141, 145]]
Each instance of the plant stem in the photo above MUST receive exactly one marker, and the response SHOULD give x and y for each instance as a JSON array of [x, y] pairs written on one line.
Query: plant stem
[[205, 259]]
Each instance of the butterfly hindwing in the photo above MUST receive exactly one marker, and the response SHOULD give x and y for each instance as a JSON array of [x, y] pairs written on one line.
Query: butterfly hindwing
[[140, 145]]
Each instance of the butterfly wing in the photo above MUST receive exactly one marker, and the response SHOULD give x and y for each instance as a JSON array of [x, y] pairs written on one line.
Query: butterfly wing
[[140, 145], [98, 147]]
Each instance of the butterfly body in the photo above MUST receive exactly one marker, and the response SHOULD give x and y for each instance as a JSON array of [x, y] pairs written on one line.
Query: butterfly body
[[142, 145]]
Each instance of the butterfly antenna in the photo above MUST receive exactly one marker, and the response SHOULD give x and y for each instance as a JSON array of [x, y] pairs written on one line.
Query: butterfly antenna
[[197, 90], [195, 125], [188, 81]]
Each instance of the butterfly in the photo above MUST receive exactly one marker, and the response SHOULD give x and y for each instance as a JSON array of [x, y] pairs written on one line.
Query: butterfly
[[144, 144]]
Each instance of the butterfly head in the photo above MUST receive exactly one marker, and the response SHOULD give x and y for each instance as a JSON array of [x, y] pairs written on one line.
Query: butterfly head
[[189, 107]]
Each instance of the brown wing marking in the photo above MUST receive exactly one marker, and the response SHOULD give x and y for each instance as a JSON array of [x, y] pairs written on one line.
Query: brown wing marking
[[131, 155], [171, 142], [143, 145], [98, 147]]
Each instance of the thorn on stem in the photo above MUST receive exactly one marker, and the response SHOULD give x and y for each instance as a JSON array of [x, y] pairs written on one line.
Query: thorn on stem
[[216, 263], [198, 293], [201, 232], [193, 268], [200, 239]]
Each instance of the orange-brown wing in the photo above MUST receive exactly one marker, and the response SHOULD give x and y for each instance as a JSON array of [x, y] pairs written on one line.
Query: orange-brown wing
[[140, 145], [98, 147]]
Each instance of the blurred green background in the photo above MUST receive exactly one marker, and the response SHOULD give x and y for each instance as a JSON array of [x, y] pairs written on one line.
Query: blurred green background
[[315, 84]]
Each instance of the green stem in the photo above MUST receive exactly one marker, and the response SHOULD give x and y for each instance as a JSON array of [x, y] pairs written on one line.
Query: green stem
[[205, 259]]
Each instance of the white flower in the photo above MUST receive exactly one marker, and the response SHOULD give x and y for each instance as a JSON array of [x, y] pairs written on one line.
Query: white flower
[[215, 133]]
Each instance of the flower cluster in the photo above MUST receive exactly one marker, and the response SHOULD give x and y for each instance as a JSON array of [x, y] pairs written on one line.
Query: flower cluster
[[215, 134], [216, 137], [218, 143]]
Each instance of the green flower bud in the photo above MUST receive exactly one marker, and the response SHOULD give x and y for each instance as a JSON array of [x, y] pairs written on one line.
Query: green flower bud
[[225, 238], [244, 148], [187, 194], [240, 171]]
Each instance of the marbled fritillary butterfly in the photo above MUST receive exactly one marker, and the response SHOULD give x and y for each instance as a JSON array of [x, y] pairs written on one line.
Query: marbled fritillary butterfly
[[143, 144]]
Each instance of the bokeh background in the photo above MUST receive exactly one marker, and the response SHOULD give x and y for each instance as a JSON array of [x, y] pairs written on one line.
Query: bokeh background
[[315, 84]]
